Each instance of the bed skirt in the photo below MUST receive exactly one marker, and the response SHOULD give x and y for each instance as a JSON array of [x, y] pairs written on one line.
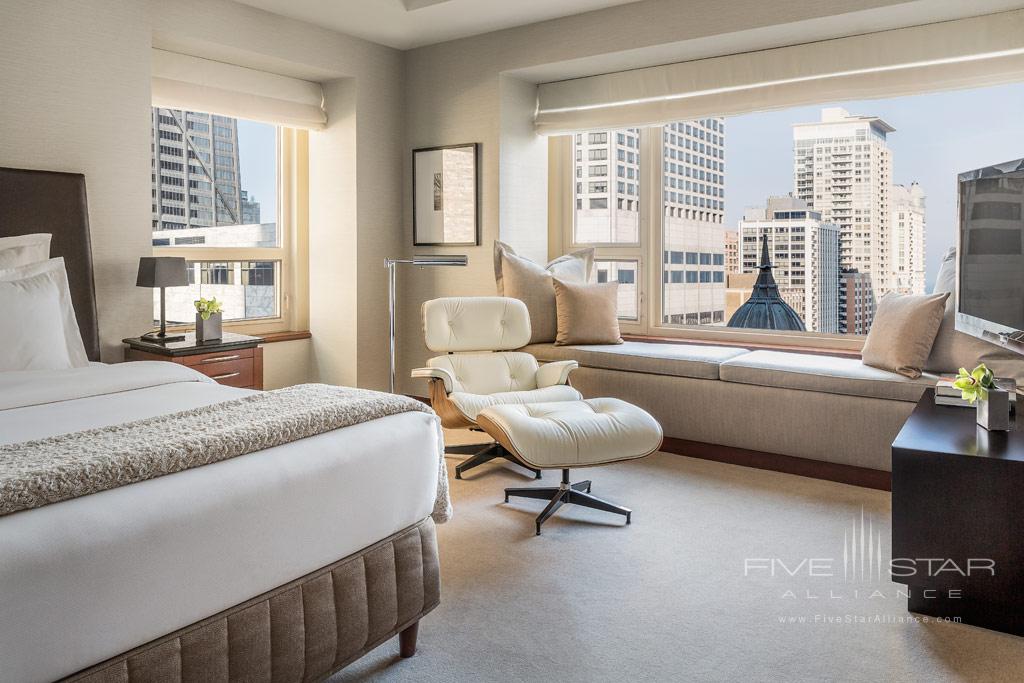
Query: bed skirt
[[301, 631]]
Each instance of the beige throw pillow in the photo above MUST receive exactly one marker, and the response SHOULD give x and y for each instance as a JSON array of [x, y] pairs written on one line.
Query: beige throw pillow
[[953, 350], [521, 278], [587, 314], [902, 333]]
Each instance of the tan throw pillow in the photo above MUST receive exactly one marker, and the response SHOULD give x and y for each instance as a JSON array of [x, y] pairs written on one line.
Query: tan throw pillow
[[587, 314], [902, 333], [521, 278], [953, 350]]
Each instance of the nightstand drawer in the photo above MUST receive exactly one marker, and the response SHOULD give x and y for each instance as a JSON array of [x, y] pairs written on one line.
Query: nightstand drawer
[[237, 372], [201, 359]]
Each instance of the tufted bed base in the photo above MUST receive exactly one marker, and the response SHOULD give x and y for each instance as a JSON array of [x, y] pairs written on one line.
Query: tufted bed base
[[304, 630]]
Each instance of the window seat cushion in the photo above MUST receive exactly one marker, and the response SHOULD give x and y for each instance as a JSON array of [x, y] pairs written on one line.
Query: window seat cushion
[[678, 360], [826, 374]]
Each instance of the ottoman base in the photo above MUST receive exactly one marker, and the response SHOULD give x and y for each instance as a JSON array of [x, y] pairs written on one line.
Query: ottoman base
[[566, 493], [481, 453]]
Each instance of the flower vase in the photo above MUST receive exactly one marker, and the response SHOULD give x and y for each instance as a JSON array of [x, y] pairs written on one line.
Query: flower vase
[[209, 329], [994, 411]]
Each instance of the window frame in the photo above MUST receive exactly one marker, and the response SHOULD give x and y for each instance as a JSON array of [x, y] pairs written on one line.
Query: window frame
[[649, 252], [291, 159]]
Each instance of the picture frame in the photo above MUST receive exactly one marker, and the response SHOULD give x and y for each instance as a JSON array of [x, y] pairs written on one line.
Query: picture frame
[[446, 196]]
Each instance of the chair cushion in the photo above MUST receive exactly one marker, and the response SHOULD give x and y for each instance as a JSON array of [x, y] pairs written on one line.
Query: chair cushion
[[475, 323], [472, 404], [827, 374], [677, 360], [489, 373], [573, 433]]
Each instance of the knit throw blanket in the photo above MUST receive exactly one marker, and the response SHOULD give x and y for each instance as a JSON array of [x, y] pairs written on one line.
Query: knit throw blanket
[[35, 473]]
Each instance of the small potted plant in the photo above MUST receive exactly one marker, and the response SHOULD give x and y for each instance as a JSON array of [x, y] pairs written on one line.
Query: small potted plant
[[208, 319], [993, 403]]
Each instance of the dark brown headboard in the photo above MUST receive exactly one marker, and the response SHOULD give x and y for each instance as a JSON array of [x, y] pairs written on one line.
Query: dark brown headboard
[[47, 201]]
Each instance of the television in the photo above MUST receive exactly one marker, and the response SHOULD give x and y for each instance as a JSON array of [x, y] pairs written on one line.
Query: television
[[990, 254]]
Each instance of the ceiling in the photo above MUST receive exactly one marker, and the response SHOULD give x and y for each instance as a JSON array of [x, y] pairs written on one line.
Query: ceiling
[[406, 24]]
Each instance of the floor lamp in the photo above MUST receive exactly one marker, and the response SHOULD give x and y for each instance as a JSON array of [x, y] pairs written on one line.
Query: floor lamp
[[422, 260]]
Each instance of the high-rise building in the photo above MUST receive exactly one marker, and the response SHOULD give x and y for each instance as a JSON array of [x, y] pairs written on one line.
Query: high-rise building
[[608, 187], [907, 228], [805, 256], [196, 177], [694, 264], [843, 169], [856, 302], [607, 204]]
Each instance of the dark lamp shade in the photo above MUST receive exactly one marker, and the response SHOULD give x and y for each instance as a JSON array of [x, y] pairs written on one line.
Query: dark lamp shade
[[162, 271]]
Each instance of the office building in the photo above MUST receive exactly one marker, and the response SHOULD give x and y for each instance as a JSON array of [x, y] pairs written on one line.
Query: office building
[[196, 177], [843, 169], [907, 221], [805, 256]]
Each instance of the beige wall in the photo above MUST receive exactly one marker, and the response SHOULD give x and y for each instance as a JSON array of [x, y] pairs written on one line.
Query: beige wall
[[479, 89], [76, 93], [75, 83]]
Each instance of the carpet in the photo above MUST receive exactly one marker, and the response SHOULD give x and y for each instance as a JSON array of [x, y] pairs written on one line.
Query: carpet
[[713, 581]]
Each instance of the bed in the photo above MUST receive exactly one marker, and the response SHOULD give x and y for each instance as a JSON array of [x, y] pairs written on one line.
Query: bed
[[285, 563]]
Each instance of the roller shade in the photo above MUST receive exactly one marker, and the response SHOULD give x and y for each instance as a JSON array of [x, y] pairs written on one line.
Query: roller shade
[[973, 52], [186, 82]]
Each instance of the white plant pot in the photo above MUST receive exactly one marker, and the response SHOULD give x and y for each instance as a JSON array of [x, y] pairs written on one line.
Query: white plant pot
[[209, 329], [994, 412]]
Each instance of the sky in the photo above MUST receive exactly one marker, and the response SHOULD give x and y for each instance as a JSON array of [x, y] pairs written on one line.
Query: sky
[[257, 161], [937, 137]]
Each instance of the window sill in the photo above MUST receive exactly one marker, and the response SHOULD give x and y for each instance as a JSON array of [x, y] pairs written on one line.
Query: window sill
[[814, 350], [274, 337]]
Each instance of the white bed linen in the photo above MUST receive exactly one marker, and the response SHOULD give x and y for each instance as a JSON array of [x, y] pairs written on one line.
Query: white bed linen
[[89, 578]]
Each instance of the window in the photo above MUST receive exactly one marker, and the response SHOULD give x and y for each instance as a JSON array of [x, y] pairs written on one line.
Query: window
[[847, 214], [226, 223], [623, 272]]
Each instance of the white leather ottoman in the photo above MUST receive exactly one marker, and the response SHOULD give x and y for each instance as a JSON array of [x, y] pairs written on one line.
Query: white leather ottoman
[[569, 434]]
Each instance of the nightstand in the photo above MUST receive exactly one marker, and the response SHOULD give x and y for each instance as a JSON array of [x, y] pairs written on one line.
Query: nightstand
[[957, 527], [235, 360]]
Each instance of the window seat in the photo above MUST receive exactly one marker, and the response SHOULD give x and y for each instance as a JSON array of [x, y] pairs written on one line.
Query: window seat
[[806, 406], [846, 376], [676, 360]]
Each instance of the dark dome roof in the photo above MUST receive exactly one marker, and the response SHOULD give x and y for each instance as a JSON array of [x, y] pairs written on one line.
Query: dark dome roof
[[766, 309]]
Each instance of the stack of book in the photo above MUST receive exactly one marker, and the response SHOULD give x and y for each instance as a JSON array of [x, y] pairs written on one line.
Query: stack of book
[[948, 395]]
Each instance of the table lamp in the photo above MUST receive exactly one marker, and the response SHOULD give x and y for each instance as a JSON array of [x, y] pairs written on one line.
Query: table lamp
[[418, 260], [162, 271]]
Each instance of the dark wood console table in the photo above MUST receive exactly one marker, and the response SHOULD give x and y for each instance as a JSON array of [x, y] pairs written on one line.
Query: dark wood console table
[[958, 517]]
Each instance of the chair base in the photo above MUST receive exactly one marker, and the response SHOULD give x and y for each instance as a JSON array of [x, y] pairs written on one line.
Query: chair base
[[575, 494], [481, 453]]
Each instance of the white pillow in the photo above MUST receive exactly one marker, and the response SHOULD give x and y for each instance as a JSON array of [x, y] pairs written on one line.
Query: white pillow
[[22, 250], [40, 338]]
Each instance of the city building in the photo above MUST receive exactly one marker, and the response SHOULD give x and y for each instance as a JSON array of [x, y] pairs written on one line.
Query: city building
[[195, 172], [694, 242], [856, 302], [842, 168], [766, 309], [732, 251], [608, 187], [907, 228], [805, 255], [607, 202], [250, 209]]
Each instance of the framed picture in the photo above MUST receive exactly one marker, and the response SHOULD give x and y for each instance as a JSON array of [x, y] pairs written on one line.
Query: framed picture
[[446, 196]]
